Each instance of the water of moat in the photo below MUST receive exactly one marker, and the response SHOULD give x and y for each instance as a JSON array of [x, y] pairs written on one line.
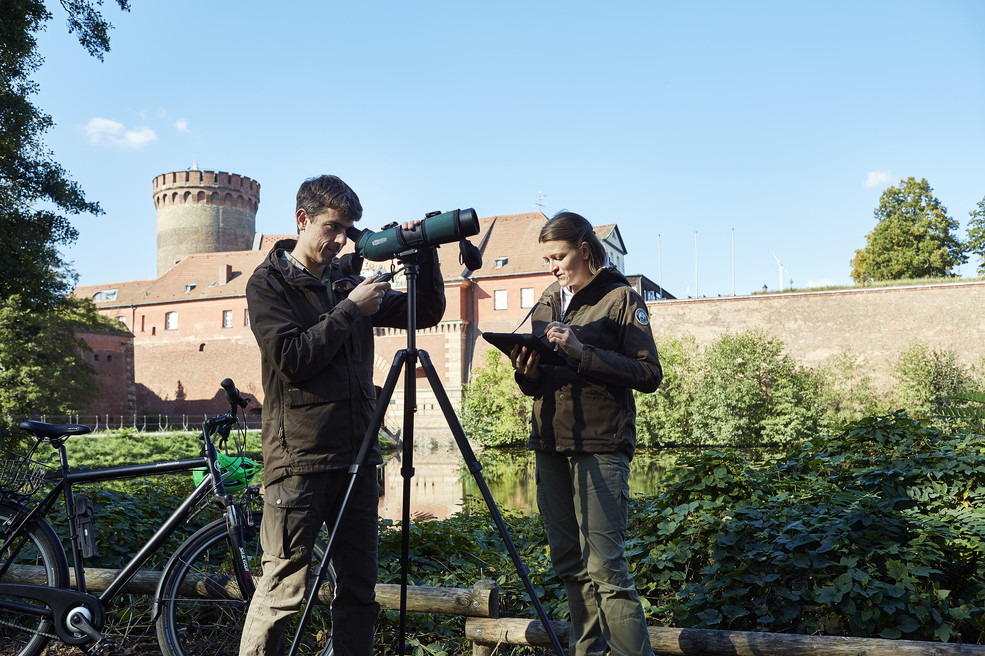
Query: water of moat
[[441, 480]]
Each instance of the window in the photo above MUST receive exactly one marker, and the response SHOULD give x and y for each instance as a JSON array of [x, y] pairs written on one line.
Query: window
[[499, 299], [501, 262], [171, 321], [246, 317], [122, 320], [227, 318], [527, 297]]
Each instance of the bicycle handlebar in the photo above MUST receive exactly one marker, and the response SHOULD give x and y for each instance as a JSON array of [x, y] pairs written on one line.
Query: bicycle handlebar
[[232, 394]]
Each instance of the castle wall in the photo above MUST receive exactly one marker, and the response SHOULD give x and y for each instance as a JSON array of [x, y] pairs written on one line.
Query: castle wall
[[112, 358], [179, 369], [875, 323]]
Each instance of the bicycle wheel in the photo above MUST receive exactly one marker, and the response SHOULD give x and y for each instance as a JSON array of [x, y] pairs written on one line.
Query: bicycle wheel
[[200, 610], [43, 557]]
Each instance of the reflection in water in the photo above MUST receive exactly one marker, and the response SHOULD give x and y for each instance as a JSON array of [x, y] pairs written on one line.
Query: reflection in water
[[441, 481]]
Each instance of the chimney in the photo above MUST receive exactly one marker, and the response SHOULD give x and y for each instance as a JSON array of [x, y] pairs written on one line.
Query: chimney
[[225, 273]]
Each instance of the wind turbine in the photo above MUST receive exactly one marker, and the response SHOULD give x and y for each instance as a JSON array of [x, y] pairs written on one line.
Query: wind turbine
[[781, 269]]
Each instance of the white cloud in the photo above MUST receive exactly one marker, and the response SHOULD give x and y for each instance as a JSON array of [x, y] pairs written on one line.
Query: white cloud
[[181, 125], [113, 134], [877, 179]]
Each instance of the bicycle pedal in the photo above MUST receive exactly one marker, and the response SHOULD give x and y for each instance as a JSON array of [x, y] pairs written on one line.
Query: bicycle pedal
[[104, 647]]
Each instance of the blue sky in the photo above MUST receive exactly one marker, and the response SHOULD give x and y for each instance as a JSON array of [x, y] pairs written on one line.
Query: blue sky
[[773, 126]]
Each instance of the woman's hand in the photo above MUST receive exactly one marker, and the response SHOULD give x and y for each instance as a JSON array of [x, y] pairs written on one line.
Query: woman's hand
[[525, 361], [562, 335]]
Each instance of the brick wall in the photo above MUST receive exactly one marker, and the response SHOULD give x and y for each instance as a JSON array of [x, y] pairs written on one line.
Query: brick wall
[[179, 369], [112, 358]]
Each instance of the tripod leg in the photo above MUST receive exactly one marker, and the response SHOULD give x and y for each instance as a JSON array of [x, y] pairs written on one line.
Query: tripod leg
[[475, 469], [370, 438]]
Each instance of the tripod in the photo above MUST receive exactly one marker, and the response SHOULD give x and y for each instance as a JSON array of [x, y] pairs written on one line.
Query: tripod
[[407, 359]]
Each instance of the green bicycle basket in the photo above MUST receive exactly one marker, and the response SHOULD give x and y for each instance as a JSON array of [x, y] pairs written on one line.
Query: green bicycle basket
[[236, 472]]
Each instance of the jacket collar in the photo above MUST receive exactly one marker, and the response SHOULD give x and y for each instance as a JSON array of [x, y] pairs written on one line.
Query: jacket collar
[[603, 280], [293, 275]]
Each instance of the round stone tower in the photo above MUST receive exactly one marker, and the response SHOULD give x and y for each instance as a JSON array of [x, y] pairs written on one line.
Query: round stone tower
[[203, 212]]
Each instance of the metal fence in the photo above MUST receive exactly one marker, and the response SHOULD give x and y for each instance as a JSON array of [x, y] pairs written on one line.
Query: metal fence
[[151, 423]]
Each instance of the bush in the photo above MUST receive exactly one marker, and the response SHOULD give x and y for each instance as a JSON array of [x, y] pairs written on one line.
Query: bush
[[927, 379], [845, 391], [750, 393], [494, 411], [876, 531], [666, 417]]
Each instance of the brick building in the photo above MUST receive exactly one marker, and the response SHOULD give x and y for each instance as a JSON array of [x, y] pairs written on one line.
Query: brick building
[[191, 329]]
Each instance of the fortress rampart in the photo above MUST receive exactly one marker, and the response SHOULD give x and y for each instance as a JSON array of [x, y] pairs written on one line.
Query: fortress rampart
[[875, 323]]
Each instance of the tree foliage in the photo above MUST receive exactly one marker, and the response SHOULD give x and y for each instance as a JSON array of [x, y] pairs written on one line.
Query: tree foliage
[[878, 530], [494, 411], [36, 195], [913, 238], [976, 234], [929, 378], [742, 390], [666, 417], [846, 392], [752, 393], [41, 368]]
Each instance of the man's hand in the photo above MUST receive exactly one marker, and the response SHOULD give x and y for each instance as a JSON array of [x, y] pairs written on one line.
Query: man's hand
[[368, 295]]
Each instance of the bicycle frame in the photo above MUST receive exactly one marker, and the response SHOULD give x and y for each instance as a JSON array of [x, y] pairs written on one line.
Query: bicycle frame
[[55, 607]]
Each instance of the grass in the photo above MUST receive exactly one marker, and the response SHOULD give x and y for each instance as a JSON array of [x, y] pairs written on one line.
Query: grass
[[914, 282]]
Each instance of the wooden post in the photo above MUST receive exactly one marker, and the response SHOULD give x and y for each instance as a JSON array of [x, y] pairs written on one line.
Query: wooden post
[[668, 641], [480, 649], [478, 601]]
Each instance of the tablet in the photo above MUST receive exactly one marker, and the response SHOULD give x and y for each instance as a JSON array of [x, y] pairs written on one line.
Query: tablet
[[549, 354]]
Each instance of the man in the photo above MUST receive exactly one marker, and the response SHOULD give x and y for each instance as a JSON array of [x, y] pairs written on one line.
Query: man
[[314, 325]]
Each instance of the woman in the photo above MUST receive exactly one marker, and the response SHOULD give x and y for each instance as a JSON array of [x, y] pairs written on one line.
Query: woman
[[584, 432]]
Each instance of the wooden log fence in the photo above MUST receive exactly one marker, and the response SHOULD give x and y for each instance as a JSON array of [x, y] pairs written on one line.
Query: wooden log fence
[[489, 632]]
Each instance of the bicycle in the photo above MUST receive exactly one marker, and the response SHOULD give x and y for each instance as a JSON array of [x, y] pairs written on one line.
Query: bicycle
[[204, 588]]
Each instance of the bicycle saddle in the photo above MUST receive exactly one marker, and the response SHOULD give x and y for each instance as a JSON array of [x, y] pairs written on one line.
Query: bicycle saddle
[[53, 431]]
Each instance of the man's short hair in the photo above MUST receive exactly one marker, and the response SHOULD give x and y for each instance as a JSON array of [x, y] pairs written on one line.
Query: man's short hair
[[329, 192]]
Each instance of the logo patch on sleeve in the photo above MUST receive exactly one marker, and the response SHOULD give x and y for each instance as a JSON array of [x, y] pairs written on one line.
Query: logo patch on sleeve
[[642, 316]]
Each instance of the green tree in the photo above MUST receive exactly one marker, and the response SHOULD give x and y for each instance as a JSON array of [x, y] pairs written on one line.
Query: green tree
[[927, 378], [494, 410], [913, 237], [752, 393], [42, 368], [666, 416], [41, 364], [845, 391], [976, 235], [35, 192]]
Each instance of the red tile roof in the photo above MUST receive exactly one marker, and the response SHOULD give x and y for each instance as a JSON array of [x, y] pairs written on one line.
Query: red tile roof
[[510, 238]]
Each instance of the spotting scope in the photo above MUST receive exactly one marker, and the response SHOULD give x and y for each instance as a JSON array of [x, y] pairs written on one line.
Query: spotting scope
[[436, 228]]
